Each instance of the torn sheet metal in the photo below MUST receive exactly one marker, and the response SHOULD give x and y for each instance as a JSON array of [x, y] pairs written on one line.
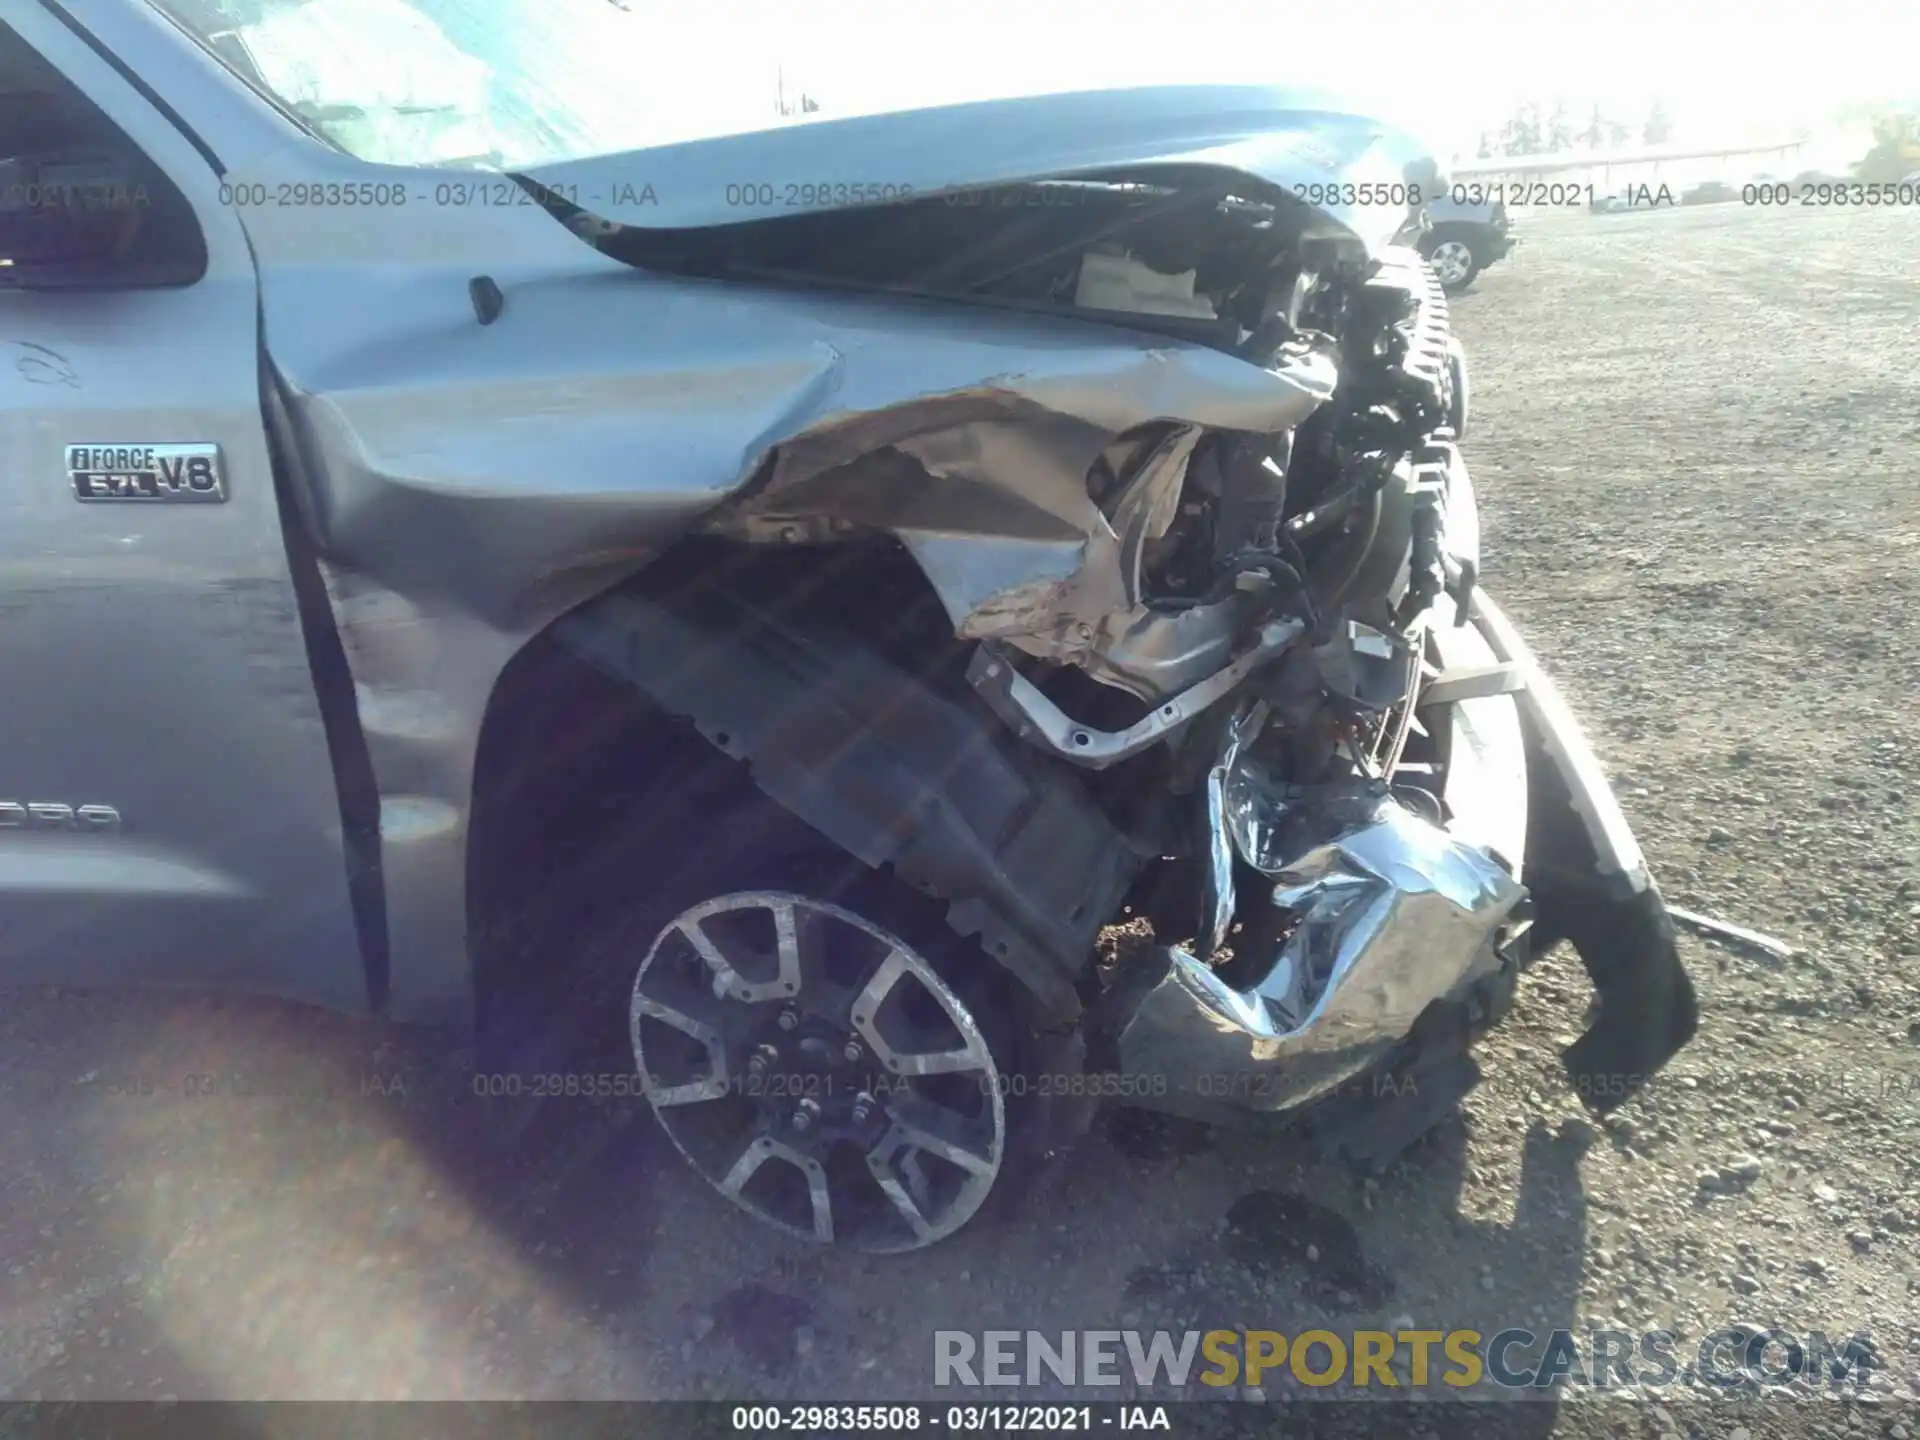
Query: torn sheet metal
[[991, 499], [1393, 915], [1231, 816]]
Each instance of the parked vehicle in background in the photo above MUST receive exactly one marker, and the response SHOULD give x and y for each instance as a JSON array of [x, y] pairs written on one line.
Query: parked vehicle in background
[[1709, 192], [1464, 237]]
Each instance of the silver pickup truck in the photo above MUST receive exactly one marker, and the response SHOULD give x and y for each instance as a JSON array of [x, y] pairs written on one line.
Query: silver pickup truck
[[866, 638]]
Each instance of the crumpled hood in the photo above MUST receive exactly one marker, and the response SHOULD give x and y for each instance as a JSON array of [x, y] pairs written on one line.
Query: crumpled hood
[[1293, 140]]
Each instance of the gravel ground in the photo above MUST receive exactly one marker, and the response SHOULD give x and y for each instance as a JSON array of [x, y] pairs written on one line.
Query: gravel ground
[[1694, 436]]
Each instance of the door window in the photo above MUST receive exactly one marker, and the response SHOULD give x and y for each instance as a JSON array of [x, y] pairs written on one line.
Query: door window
[[80, 203]]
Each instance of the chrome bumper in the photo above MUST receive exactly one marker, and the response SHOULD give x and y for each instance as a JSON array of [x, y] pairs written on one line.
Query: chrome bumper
[[1398, 920]]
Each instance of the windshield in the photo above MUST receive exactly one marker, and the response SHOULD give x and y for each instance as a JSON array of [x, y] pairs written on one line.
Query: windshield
[[494, 83], [517, 84]]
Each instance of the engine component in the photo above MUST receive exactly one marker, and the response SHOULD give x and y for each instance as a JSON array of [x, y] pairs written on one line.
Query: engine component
[[1367, 668], [1119, 282], [1037, 720]]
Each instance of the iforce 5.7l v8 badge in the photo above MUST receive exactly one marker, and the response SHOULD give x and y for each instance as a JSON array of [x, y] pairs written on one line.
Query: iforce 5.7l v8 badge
[[188, 474]]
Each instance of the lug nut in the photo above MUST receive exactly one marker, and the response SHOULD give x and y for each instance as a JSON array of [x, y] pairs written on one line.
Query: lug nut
[[761, 1059], [789, 1018], [853, 1051], [804, 1114], [862, 1109]]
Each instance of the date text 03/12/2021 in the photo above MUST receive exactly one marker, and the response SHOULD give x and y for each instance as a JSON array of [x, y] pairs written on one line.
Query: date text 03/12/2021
[[908, 1419]]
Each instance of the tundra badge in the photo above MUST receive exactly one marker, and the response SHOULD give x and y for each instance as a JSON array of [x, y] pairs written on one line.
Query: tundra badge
[[177, 473], [45, 815]]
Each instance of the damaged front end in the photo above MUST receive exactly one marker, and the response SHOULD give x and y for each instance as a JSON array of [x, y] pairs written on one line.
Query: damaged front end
[[1260, 638], [1247, 612], [1380, 915], [1361, 933], [1082, 542]]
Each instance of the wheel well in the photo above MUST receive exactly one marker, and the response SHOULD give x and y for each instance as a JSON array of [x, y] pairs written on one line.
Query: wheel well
[[1450, 230], [826, 678], [565, 755]]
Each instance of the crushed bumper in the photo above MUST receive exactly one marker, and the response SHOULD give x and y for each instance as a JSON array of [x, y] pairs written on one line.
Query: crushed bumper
[[1403, 937], [1393, 917]]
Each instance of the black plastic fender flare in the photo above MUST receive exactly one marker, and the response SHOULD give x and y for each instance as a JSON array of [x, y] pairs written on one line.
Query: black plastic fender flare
[[1592, 888]]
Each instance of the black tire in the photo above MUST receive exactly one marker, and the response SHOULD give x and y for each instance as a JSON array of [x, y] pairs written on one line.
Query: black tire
[[724, 836], [1457, 254]]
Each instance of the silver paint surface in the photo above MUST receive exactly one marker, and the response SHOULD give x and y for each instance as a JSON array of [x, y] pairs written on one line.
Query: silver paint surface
[[154, 658], [1276, 136]]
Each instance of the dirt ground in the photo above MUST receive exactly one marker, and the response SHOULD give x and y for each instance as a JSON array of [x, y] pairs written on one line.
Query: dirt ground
[[1695, 436]]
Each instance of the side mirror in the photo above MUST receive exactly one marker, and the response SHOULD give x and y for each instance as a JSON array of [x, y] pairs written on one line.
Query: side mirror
[[68, 218]]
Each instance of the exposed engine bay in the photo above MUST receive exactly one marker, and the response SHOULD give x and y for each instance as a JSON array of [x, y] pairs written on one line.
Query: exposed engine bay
[[1257, 638], [1160, 558]]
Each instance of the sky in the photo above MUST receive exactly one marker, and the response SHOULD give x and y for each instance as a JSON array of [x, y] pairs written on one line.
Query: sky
[[625, 74], [1725, 71]]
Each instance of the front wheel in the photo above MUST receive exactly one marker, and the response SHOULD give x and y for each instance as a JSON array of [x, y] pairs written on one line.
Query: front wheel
[[816, 1040], [818, 1070], [1455, 258]]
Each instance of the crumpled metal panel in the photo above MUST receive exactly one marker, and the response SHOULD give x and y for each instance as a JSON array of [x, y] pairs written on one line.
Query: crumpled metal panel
[[488, 475], [1394, 914], [996, 511]]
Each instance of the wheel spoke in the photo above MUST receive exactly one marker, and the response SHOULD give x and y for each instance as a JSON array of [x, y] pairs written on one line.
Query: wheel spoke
[[918, 1186], [942, 1062], [746, 1167], [924, 1126], [726, 980], [728, 983], [710, 1088], [891, 1187], [867, 1003], [822, 1203], [765, 1151], [866, 1019], [787, 937]]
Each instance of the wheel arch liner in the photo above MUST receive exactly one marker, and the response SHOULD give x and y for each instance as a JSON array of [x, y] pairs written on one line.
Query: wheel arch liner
[[886, 768]]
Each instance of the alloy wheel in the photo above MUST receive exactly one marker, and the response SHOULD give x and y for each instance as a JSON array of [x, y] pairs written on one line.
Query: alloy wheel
[[817, 1071], [1452, 261]]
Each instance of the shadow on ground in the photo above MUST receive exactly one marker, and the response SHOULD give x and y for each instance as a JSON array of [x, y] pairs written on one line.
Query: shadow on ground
[[246, 1200]]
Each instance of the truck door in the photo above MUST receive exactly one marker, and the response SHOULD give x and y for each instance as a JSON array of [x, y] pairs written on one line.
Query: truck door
[[168, 810]]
